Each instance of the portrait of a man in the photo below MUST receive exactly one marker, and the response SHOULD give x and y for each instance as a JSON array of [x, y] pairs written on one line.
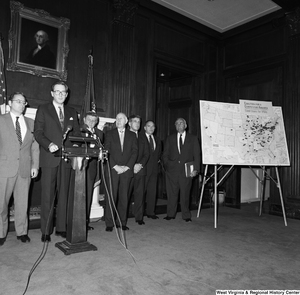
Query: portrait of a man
[[38, 44], [41, 54]]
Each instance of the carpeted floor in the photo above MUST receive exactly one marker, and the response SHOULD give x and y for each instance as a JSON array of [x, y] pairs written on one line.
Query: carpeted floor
[[245, 251]]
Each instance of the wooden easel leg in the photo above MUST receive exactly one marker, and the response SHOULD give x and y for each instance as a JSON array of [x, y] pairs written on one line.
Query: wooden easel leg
[[281, 198], [216, 196], [262, 191], [202, 190]]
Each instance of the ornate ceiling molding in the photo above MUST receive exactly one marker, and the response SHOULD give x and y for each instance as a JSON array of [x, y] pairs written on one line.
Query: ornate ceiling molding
[[124, 11], [293, 21]]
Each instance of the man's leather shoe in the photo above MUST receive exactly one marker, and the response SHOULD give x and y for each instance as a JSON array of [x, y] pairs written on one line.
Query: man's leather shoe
[[153, 216], [169, 218], [2, 241], [188, 220], [46, 238], [109, 228], [62, 234], [24, 238], [140, 222], [89, 227]]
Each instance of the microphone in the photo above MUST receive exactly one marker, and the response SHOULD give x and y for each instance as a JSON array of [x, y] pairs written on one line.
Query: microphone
[[69, 128], [85, 130]]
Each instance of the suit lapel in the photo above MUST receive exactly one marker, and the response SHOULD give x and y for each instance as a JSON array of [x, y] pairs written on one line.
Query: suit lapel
[[117, 139], [11, 127], [28, 132], [53, 114]]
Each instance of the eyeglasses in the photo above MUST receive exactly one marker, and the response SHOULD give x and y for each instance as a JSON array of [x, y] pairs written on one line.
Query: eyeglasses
[[20, 101], [57, 92]]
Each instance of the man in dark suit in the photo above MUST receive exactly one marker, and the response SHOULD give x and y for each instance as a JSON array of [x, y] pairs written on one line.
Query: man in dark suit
[[180, 148], [152, 168], [52, 123], [137, 185], [89, 129], [41, 55], [122, 147], [19, 162]]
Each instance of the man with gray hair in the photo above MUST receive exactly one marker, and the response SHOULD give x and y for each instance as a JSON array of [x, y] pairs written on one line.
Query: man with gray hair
[[122, 147], [180, 149]]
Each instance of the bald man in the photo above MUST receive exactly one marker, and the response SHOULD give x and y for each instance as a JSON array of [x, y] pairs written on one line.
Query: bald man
[[180, 148], [122, 147]]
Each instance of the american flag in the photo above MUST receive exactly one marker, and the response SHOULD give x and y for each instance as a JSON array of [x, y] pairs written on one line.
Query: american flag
[[3, 101], [89, 103]]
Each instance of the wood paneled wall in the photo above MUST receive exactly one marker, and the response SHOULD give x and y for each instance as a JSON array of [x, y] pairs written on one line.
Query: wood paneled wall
[[129, 39]]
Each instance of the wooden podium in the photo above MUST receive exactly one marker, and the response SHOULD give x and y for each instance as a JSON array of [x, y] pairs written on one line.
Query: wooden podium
[[76, 240]]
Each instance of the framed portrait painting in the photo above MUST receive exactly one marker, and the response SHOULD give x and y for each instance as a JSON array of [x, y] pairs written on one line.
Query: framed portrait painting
[[37, 42]]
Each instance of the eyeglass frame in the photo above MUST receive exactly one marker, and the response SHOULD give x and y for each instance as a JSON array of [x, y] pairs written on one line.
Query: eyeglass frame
[[58, 92], [25, 103]]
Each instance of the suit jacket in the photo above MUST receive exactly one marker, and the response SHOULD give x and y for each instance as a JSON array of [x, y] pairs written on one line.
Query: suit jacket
[[13, 157], [92, 164], [86, 133], [153, 163], [47, 129], [174, 161], [143, 153], [43, 58], [128, 156]]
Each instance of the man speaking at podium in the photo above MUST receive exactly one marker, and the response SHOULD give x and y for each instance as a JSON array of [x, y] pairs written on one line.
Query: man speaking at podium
[[53, 122]]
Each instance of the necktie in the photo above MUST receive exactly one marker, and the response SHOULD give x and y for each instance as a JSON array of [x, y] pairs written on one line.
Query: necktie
[[18, 130], [61, 118], [151, 142], [180, 143], [122, 138]]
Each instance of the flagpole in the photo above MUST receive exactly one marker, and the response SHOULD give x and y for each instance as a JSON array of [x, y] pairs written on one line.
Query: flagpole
[[3, 100], [89, 102]]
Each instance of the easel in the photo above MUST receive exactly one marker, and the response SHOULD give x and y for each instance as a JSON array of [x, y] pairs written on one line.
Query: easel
[[217, 183]]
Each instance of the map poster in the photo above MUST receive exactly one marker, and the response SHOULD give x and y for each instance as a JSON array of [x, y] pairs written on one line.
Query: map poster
[[232, 137], [253, 107]]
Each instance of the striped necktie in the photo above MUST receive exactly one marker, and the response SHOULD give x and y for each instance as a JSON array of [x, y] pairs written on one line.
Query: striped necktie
[[61, 118], [18, 130]]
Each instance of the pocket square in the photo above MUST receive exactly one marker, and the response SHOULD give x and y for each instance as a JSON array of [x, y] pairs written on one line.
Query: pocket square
[[71, 119]]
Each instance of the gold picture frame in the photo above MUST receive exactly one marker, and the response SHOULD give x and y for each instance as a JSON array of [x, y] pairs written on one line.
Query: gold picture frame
[[26, 24]]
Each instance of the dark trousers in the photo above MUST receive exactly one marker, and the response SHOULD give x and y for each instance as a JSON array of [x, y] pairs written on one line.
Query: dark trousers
[[150, 193], [120, 186], [137, 189], [178, 185], [54, 181]]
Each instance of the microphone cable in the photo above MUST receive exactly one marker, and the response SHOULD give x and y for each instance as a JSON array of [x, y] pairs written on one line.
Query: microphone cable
[[112, 207], [45, 243], [44, 249]]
